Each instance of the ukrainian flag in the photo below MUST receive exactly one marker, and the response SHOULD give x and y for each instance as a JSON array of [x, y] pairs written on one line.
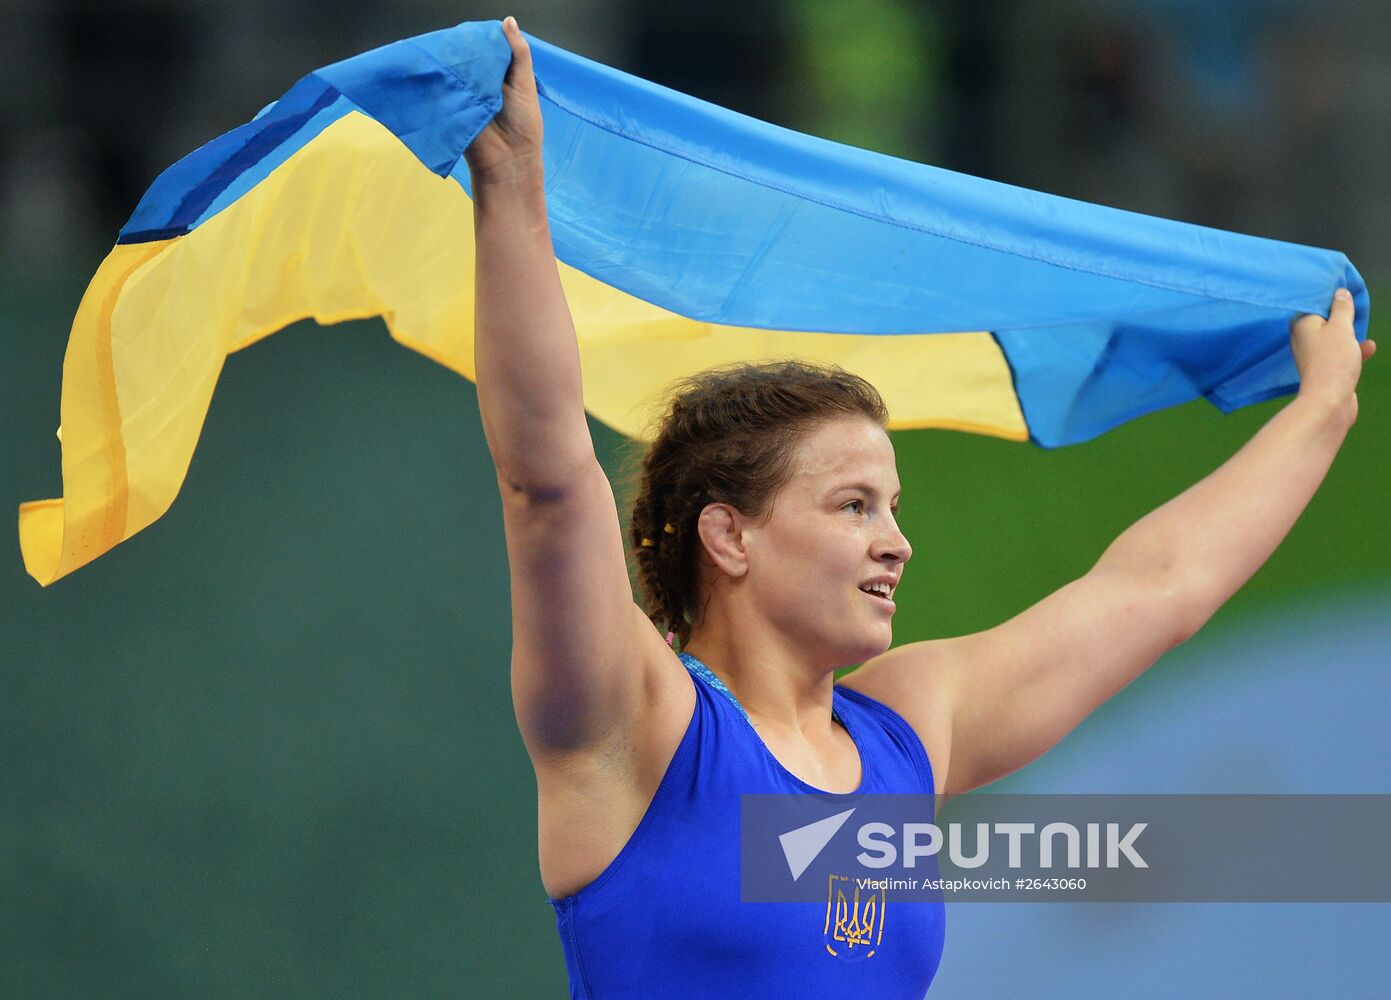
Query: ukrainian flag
[[686, 236]]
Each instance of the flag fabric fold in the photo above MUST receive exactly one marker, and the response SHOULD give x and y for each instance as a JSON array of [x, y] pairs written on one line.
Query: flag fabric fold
[[686, 235]]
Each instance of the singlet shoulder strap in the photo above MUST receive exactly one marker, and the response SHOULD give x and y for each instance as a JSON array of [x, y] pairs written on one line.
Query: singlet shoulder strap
[[700, 670]]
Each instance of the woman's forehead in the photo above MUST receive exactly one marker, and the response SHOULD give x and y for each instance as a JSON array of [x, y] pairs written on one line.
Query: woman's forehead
[[848, 446]]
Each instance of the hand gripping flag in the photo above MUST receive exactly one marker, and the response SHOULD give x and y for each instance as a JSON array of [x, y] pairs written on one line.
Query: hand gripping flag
[[686, 236]]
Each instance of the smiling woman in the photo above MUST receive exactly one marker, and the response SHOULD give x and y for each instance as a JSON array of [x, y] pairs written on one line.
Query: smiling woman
[[806, 564], [766, 540], [765, 536], [737, 438]]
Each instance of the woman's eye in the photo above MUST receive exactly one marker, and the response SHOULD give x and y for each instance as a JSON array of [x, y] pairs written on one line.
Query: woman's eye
[[859, 506]]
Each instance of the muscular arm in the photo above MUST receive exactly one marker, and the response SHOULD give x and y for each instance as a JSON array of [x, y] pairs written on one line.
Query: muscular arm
[[1010, 693], [579, 641], [525, 353], [1200, 547]]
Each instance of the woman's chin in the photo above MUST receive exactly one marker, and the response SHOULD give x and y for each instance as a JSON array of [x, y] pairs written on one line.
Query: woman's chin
[[874, 644]]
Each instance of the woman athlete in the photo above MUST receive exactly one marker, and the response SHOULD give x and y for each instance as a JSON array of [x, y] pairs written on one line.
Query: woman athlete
[[766, 538]]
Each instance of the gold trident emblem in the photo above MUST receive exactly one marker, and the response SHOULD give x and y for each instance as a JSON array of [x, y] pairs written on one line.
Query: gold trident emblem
[[853, 929]]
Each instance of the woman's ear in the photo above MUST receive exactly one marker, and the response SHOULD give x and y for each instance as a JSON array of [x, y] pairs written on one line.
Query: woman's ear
[[721, 533]]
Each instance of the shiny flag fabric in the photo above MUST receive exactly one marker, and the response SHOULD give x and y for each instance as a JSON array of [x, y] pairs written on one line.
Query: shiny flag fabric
[[686, 235]]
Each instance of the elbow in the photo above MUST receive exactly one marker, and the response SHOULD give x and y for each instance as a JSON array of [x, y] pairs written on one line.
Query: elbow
[[532, 490], [1170, 606], [1189, 607], [548, 482], [537, 456]]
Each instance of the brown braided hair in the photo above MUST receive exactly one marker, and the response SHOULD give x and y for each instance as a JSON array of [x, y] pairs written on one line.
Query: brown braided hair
[[726, 435]]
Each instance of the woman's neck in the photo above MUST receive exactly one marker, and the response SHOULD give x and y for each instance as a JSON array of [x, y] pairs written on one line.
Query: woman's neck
[[776, 684]]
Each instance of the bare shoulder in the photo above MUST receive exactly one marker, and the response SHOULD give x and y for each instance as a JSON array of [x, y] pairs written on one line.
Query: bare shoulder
[[918, 681], [591, 798]]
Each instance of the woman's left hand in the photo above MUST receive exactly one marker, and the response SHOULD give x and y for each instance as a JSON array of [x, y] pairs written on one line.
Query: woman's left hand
[[1328, 355]]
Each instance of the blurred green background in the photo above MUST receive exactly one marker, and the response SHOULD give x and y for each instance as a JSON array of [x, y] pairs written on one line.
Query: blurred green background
[[266, 747]]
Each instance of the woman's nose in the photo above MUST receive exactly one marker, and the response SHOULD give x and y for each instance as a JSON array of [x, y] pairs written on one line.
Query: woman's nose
[[895, 545]]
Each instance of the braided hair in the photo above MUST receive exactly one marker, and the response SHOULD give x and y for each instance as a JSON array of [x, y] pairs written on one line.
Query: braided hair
[[727, 435]]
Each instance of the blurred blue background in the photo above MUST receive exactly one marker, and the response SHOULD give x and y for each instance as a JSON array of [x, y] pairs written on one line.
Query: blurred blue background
[[266, 748]]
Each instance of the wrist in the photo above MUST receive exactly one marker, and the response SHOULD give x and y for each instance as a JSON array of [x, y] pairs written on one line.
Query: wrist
[[519, 173], [1335, 411]]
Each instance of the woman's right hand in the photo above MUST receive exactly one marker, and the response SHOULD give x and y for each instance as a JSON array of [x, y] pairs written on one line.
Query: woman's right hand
[[510, 144]]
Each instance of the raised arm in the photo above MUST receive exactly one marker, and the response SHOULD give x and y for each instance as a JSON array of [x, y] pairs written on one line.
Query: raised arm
[[994, 701], [580, 644]]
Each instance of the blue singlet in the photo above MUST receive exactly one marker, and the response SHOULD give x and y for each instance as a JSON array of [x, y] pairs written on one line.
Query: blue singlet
[[664, 919]]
